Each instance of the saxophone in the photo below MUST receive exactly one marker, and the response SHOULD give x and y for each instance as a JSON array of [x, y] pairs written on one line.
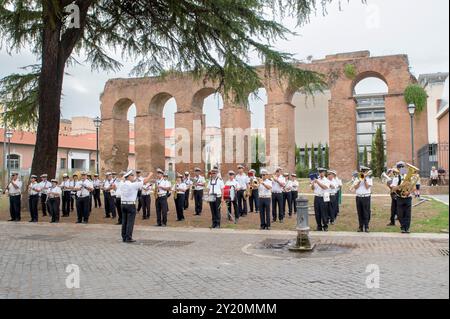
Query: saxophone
[[409, 183]]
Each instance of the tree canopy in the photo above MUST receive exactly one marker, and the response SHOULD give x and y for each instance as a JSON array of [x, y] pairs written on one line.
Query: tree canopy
[[212, 39]]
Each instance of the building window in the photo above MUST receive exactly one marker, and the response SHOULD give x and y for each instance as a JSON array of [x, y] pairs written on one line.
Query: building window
[[13, 162], [92, 164], [63, 163]]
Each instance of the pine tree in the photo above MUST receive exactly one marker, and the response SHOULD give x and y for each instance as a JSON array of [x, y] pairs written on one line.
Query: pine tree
[[313, 158], [320, 155], [211, 39], [307, 163], [365, 157], [380, 157], [327, 155]]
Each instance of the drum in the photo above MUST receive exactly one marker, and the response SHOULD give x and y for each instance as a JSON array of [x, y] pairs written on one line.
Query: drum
[[229, 193], [210, 198]]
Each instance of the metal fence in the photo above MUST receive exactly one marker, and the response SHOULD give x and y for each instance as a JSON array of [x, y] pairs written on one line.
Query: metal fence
[[434, 155]]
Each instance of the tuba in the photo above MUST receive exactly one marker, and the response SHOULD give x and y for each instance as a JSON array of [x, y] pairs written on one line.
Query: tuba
[[409, 183]]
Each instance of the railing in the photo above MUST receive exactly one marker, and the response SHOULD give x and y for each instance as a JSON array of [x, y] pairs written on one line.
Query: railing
[[434, 155]]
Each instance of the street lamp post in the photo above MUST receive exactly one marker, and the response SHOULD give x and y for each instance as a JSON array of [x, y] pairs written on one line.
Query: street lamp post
[[97, 123], [412, 110], [9, 135]]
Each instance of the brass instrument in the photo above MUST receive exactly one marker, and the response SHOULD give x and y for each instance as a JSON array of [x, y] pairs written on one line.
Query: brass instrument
[[408, 184], [155, 190], [254, 183], [194, 184]]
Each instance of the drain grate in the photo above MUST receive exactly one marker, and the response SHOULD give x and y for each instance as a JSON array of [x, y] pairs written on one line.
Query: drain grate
[[165, 243], [46, 238], [444, 252], [274, 244]]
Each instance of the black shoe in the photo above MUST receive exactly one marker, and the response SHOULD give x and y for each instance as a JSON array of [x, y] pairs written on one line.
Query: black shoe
[[107, 217], [325, 229], [267, 228], [367, 230], [319, 229], [79, 222], [158, 225], [31, 221], [130, 241], [360, 230], [390, 225], [85, 222], [11, 220], [17, 220]]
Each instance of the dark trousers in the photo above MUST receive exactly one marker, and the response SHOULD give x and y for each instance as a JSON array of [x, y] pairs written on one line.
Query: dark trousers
[[161, 210], [118, 211], [73, 198], [186, 199], [277, 202], [44, 204], [254, 201], [66, 203], [53, 205], [242, 203], [139, 199], [264, 212], [14, 207], [83, 209], [128, 218], [215, 212], [393, 208], [363, 206], [90, 201], [332, 208], [146, 206], [97, 199], [287, 199], [320, 211], [232, 205], [339, 196], [179, 205], [33, 201], [198, 198], [110, 205], [404, 210], [294, 201]]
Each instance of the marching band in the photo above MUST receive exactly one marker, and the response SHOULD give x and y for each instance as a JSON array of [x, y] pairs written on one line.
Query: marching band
[[273, 197]]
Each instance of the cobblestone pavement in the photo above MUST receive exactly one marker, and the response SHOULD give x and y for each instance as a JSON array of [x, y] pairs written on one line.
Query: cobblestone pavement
[[198, 263]]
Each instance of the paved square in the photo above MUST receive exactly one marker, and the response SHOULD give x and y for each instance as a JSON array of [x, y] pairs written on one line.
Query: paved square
[[199, 263]]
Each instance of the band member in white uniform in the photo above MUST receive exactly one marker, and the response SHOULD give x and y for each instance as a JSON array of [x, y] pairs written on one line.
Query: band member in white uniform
[[139, 195], [231, 202], [179, 190], [334, 202], [243, 182], [265, 197], [215, 188], [295, 187], [147, 191], [54, 201], [97, 186], [110, 205], [363, 187], [44, 186], [66, 195], [188, 181], [404, 204], [128, 194], [279, 182], [163, 186], [73, 195], [254, 195], [33, 199], [320, 184], [14, 190], [83, 189], [199, 186], [287, 194], [118, 181]]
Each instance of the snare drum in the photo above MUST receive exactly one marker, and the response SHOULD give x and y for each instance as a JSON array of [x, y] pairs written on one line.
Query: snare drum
[[210, 198]]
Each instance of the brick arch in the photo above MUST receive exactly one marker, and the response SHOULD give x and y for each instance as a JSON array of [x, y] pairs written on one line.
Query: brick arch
[[158, 102], [367, 75], [121, 107], [199, 97]]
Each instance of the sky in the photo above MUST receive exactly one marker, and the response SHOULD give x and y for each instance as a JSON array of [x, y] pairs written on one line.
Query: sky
[[384, 27]]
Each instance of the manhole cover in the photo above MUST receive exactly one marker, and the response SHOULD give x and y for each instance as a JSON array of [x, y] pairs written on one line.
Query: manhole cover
[[165, 243], [46, 238], [280, 249]]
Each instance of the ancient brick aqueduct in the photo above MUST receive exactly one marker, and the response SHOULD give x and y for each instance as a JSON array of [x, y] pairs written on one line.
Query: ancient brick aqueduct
[[151, 94]]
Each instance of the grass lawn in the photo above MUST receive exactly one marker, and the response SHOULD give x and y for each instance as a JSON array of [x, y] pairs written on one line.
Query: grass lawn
[[430, 217]]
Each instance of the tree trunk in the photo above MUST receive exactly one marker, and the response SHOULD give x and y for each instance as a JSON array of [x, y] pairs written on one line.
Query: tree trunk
[[50, 90]]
